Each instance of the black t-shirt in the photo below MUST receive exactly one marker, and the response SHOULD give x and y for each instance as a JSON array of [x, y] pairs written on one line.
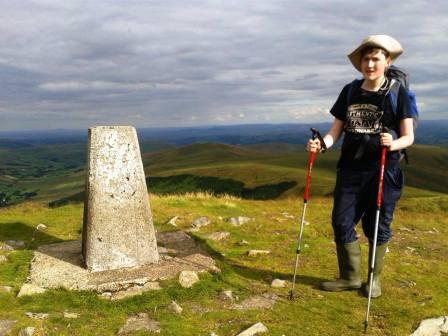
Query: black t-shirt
[[367, 112]]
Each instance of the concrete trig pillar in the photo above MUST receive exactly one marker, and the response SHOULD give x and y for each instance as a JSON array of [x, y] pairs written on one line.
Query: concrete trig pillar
[[118, 230]]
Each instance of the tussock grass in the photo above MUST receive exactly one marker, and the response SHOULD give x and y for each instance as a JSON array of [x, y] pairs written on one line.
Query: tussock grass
[[194, 195]]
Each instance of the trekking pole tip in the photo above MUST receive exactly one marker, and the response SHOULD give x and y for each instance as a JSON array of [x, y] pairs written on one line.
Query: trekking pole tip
[[366, 324], [291, 295]]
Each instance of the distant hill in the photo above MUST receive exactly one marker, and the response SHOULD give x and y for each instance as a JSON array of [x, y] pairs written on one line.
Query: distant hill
[[429, 132]]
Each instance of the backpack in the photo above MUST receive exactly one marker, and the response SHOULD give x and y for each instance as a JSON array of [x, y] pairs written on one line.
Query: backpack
[[398, 77]]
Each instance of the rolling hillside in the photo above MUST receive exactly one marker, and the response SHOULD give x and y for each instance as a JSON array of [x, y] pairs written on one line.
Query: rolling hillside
[[273, 170]]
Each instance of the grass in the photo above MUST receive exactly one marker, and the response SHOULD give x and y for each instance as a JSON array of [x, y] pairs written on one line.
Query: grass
[[413, 284]]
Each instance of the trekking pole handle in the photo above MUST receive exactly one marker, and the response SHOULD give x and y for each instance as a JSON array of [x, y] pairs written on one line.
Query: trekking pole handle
[[317, 135]]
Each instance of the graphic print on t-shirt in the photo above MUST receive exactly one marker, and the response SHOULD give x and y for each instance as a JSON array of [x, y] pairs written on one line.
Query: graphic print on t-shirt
[[363, 119]]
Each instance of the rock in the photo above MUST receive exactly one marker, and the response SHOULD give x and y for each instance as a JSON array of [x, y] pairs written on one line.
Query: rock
[[5, 289], [188, 278], [257, 328], [41, 227], [175, 308], [71, 315], [3, 259], [277, 283], [135, 290], [237, 221], [218, 236], [29, 289], [243, 242], [200, 222], [213, 334], [287, 215], [255, 253], [226, 295], [265, 301], [140, 323], [28, 331], [432, 327], [172, 221], [9, 245], [6, 326], [106, 295], [37, 316]]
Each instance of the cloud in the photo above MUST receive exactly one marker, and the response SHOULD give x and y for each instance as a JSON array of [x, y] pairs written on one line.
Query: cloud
[[68, 64]]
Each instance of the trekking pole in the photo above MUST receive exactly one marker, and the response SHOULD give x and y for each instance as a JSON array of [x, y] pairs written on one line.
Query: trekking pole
[[315, 135], [375, 236]]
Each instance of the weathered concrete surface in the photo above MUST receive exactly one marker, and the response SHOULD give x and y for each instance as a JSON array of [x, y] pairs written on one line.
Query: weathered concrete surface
[[60, 265], [118, 229]]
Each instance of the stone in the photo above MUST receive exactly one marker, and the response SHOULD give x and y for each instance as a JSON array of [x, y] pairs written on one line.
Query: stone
[[188, 278], [173, 220], [237, 221], [255, 253], [257, 328], [287, 215], [277, 283], [3, 259], [264, 301], [135, 290], [29, 289], [200, 222], [37, 316], [41, 227], [10, 245], [432, 327], [6, 326], [226, 295], [175, 308], [218, 236], [118, 230], [69, 315], [5, 289], [28, 331], [141, 322], [243, 242]]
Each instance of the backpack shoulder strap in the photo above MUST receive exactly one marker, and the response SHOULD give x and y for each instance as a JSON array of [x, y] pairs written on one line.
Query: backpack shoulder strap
[[392, 93], [355, 84]]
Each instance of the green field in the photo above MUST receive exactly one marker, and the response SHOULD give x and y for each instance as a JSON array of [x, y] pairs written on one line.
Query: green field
[[414, 285]]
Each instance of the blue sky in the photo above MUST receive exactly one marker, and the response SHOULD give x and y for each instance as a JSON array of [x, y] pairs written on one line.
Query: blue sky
[[76, 64]]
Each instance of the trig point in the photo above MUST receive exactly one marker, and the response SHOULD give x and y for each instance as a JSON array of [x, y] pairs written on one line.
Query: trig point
[[118, 230]]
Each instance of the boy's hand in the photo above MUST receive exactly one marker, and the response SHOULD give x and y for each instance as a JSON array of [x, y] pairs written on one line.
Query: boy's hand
[[313, 145], [386, 140]]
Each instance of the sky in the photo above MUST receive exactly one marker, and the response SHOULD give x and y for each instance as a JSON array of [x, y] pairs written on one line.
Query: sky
[[77, 64]]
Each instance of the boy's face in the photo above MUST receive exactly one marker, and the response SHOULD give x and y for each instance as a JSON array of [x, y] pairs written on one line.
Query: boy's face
[[374, 64]]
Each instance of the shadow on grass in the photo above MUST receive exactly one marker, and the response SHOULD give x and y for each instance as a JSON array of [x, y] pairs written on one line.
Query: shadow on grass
[[69, 252], [258, 274], [30, 236]]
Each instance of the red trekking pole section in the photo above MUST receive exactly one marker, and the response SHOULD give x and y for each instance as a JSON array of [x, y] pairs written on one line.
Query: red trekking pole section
[[308, 178]]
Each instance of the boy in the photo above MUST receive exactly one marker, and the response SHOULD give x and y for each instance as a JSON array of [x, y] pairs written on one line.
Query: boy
[[362, 112]]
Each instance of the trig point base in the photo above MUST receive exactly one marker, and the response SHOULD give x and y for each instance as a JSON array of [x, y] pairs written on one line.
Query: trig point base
[[118, 231]]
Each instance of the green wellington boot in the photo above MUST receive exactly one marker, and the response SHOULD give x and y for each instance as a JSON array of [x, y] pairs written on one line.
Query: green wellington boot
[[349, 260], [379, 263]]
